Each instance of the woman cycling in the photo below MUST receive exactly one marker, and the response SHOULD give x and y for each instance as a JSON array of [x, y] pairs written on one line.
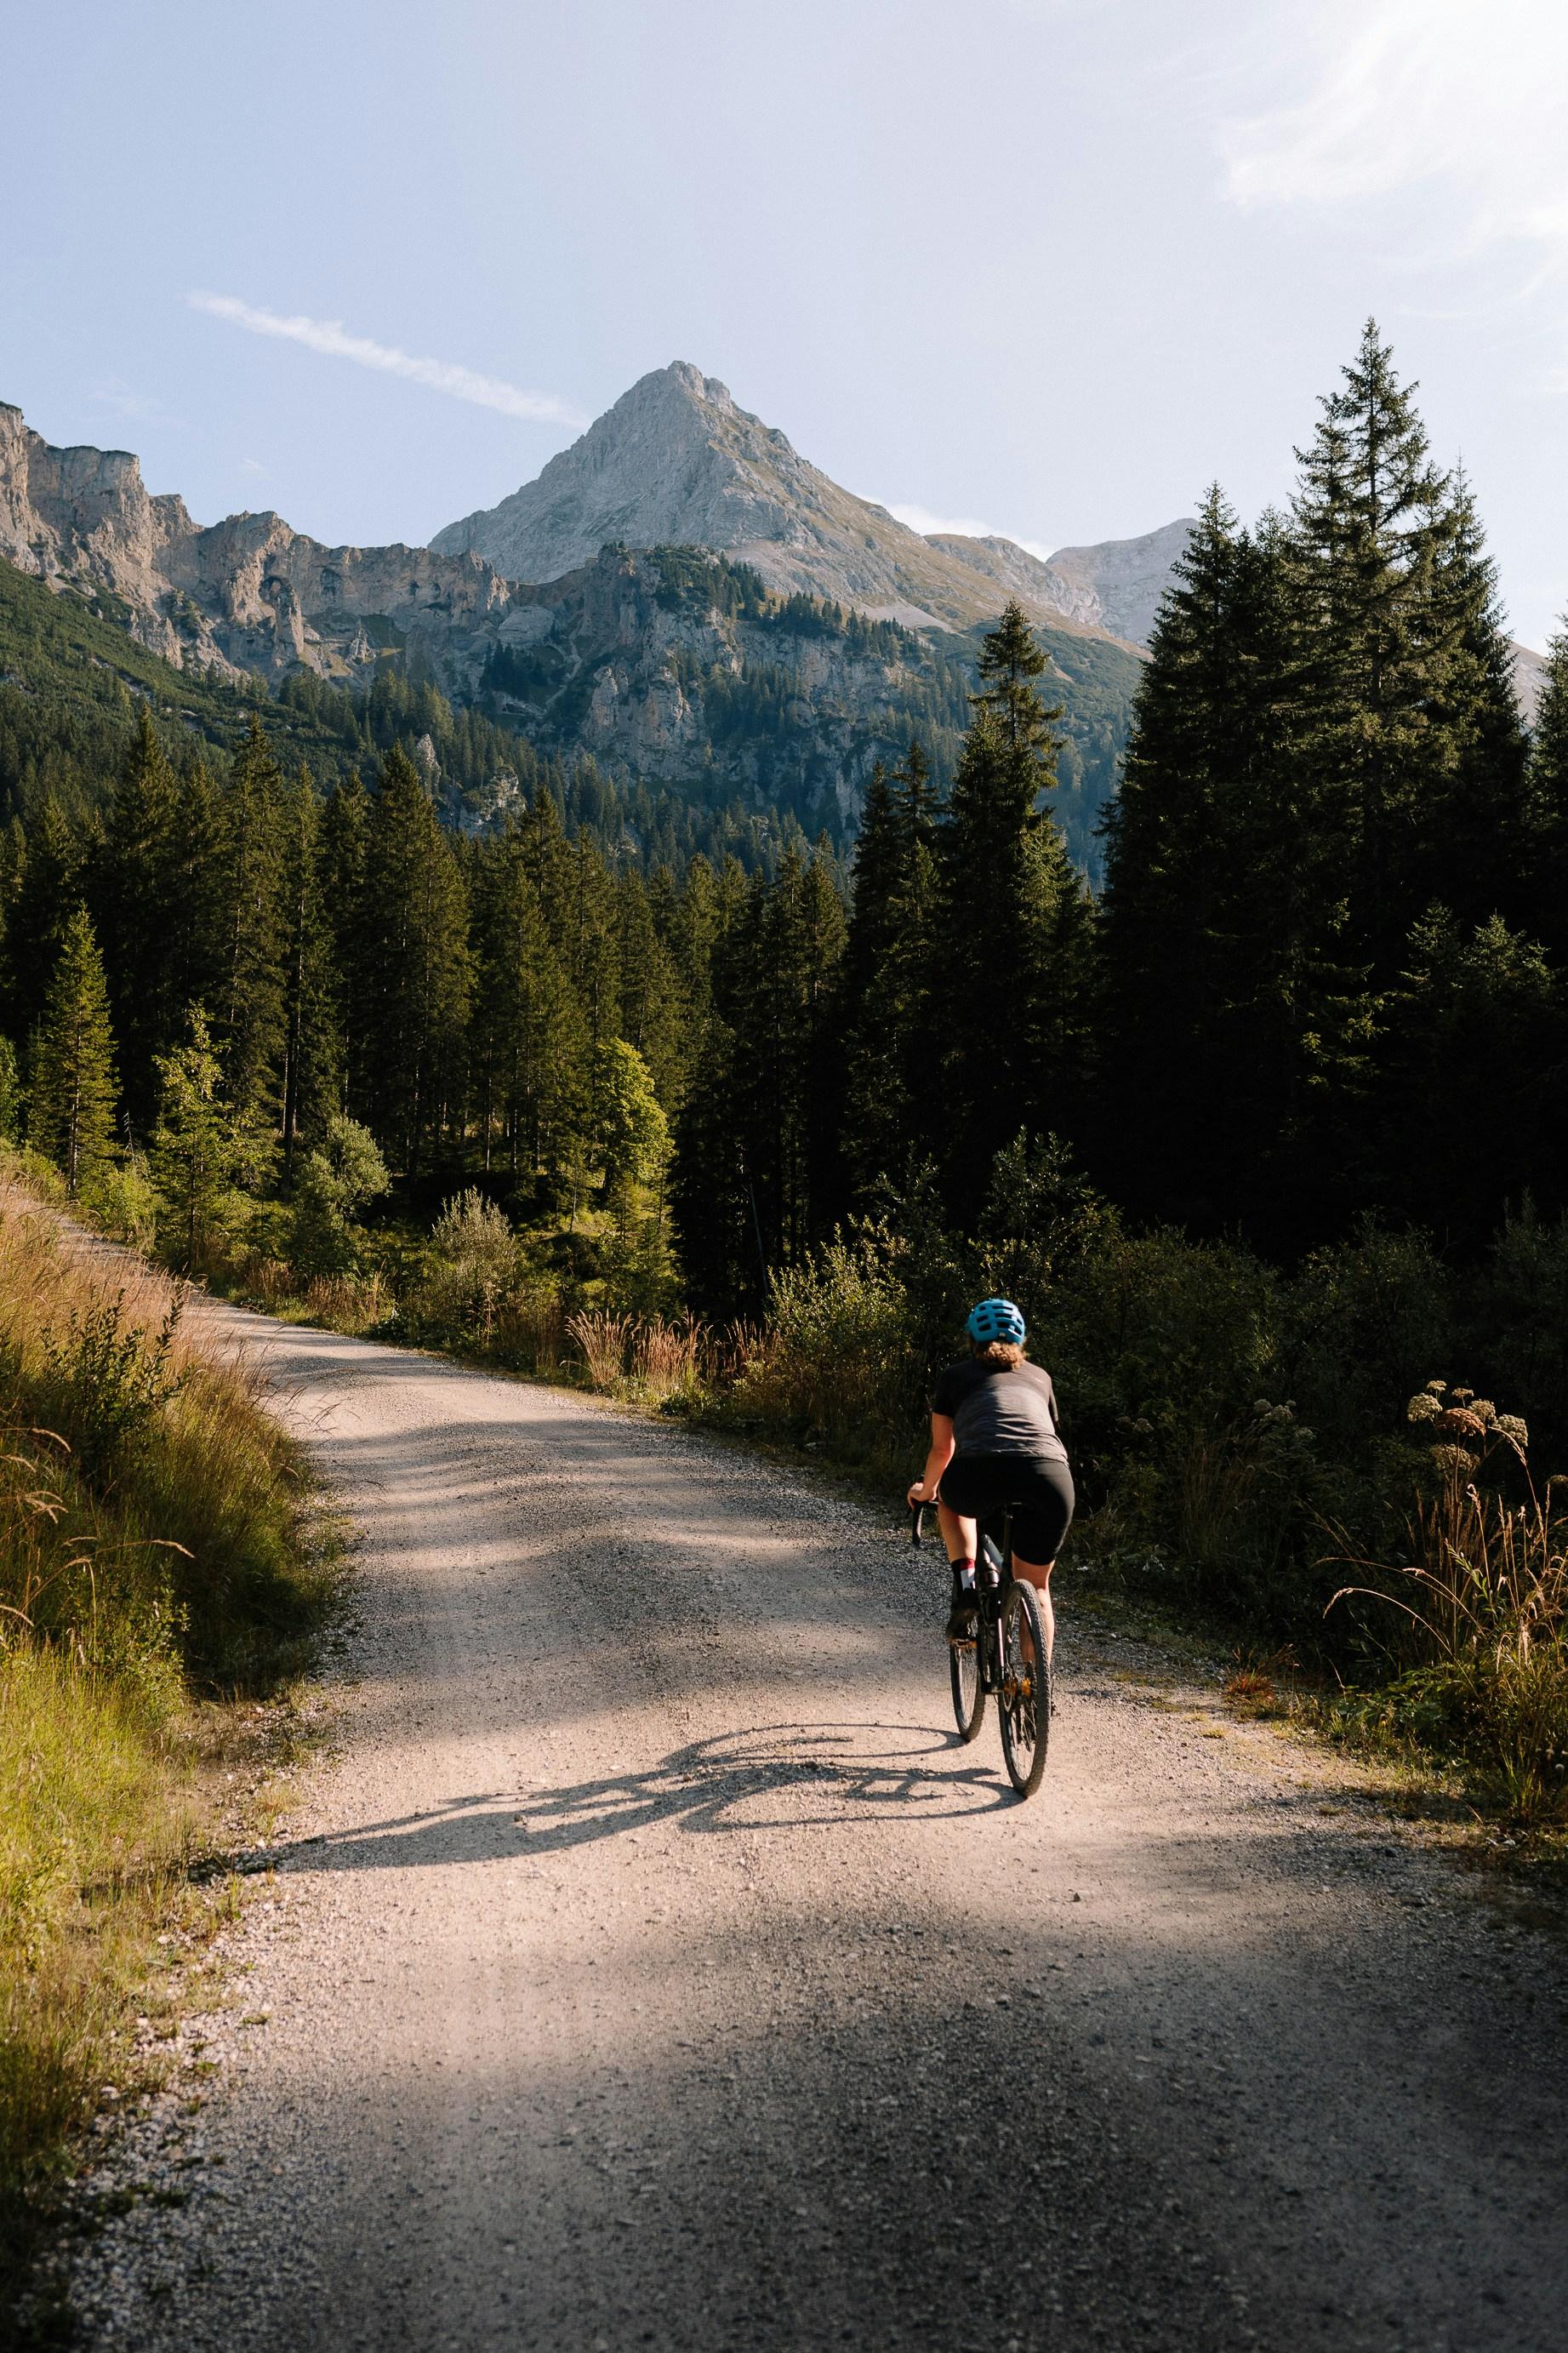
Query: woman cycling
[[995, 1440]]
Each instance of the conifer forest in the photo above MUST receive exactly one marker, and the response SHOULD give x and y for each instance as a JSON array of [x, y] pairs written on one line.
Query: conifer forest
[[1267, 1132]]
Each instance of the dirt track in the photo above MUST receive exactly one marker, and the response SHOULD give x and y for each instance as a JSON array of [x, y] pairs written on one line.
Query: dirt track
[[649, 1967]]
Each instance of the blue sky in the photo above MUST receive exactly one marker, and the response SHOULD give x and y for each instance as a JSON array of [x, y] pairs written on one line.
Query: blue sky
[[1044, 266]]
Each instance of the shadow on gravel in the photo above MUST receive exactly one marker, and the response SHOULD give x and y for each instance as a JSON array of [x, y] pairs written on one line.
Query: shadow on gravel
[[733, 1782]]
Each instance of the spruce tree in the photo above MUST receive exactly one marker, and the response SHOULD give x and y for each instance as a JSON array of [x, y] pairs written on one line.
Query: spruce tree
[[1401, 656], [47, 881], [311, 1087], [344, 837], [530, 1046], [886, 976], [140, 918], [1548, 794], [72, 1082], [414, 970], [197, 1150], [1010, 986], [652, 1013], [250, 1020]]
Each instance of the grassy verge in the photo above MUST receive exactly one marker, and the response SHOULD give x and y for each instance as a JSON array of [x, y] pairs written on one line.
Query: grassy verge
[[156, 1579]]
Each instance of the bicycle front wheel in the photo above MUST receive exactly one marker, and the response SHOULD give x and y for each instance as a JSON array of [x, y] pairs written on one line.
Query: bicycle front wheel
[[968, 1693], [1024, 1703]]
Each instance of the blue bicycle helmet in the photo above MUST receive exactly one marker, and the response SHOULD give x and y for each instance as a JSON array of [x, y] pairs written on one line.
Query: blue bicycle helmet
[[995, 1319]]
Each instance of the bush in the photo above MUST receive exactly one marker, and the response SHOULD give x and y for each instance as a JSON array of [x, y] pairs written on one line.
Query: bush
[[334, 1184], [473, 1262], [837, 1361]]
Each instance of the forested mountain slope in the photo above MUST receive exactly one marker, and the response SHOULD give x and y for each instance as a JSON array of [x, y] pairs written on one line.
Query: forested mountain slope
[[72, 686], [675, 674]]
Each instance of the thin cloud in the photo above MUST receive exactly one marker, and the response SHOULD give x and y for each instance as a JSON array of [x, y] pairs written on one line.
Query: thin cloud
[[935, 526], [1407, 93], [332, 339]]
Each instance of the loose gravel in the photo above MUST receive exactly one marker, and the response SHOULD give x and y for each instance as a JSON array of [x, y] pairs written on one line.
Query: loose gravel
[[649, 1967]]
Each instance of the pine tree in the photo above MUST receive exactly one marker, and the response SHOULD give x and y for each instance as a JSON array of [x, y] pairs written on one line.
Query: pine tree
[[249, 1021], [1010, 986], [344, 837], [197, 1150], [1399, 641], [652, 1011], [46, 881], [1237, 1020], [530, 1043], [1548, 791], [887, 971], [311, 1076], [413, 976], [1468, 1111], [1475, 833], [72, 1090], [140, 918]]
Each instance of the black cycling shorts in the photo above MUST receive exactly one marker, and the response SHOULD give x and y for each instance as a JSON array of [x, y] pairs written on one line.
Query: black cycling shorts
[[977, 1486]]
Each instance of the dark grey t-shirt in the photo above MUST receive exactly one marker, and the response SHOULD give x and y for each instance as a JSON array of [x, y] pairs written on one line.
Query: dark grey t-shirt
[[1000, 1411]]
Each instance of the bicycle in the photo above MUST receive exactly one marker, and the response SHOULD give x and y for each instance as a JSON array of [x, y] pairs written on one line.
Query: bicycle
[[1007, 1657]]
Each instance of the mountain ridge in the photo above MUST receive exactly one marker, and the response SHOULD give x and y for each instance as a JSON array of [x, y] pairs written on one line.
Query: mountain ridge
[[676, 461]]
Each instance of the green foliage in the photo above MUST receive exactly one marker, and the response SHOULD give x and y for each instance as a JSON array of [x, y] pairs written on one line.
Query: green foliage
[[198, 1151], [631, 1135], [71, 1092], [334, 1182], [13, 1097]]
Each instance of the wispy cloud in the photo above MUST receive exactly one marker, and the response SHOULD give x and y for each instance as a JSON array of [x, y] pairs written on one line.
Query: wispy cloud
[[1403, 93], [121, 399], [935, 526], [331, 338]]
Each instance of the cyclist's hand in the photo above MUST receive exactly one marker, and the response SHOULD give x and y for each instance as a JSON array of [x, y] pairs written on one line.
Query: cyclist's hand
[[917, 1494]]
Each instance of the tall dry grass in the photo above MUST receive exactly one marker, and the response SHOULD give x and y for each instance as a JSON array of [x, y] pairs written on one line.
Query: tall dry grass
[[605, 1341], [150, 1550], [1482, 1604]]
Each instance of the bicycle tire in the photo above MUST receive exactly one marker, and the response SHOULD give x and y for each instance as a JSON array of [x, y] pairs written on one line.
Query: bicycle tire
[[968, 1695], [1024, 1702]]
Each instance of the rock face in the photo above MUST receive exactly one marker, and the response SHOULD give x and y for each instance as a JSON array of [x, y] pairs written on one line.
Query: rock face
[[248, 594], [677, 463], [1120, 581]]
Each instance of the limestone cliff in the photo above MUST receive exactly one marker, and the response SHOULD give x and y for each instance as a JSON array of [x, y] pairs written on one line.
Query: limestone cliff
[[244, 595]]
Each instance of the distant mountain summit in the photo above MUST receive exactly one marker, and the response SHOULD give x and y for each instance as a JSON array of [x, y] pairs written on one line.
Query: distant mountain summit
[[678, 463]]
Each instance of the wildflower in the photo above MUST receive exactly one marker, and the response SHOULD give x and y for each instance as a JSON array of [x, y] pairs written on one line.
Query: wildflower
[[1460, 1423], [1484, 1409], [1511, 1426], [1435, 1388], [1423, 1407]]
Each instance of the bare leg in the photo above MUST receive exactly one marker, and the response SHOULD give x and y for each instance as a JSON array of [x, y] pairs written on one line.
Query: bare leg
[[958, 1536], [1030, 1573]]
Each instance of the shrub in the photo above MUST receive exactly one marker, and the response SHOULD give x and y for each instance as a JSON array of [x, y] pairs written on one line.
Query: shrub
[[334, 1184], [1480, 1604], [837, 1361], [473, 1261]]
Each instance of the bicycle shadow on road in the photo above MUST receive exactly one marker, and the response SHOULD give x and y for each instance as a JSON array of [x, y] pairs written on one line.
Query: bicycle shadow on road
[[733, 1782]]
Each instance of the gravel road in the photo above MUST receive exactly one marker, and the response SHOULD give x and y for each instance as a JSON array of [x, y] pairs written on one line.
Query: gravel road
[[649, 1967]]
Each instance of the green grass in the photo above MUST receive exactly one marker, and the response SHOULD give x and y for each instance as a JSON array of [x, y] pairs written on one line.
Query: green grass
[[157, 1569]]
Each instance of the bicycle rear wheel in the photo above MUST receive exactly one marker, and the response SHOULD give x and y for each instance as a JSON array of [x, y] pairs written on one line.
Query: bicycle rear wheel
[[1024, 1703], [963, 1673]]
